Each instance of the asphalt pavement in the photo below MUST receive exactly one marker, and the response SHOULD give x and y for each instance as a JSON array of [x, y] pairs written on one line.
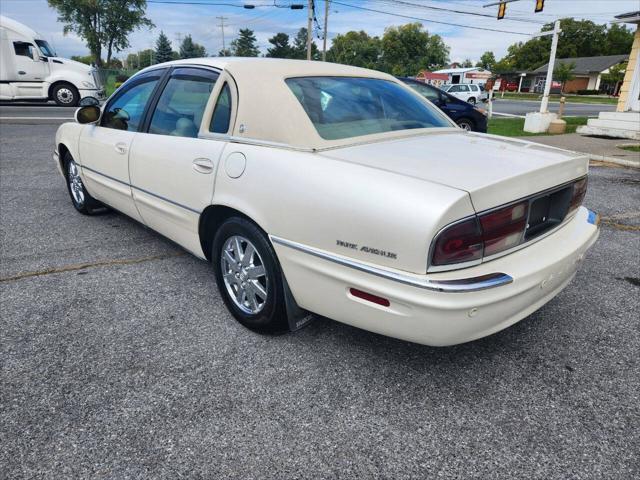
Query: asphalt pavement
[[119, 360], [522, 107]]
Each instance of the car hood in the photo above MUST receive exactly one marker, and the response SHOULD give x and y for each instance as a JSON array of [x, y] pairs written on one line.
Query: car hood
[[493, 170]]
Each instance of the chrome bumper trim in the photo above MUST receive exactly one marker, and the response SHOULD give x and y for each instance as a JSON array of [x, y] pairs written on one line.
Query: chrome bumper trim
[[461, 285]]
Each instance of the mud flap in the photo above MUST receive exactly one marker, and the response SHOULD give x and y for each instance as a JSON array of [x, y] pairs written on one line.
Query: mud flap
[[296, 316]]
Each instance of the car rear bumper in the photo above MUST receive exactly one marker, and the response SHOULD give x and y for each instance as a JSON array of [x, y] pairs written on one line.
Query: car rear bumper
[[437, 317]]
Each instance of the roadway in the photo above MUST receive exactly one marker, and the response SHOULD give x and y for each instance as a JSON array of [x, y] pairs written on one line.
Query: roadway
[[522, 107], [39, 113]]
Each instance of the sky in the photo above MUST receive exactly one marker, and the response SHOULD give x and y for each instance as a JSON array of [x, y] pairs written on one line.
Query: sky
[[202, 22]]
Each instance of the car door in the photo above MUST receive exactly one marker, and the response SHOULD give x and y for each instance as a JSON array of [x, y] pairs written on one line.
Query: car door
[[104, 147], [172, 164]]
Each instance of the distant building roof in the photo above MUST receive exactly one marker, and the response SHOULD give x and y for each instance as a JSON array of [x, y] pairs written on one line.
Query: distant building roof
[[458, 70], [586, 65], [432, 75], [630, 17]]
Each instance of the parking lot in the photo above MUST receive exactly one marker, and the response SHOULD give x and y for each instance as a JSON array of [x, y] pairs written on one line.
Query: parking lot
[[118, 359]]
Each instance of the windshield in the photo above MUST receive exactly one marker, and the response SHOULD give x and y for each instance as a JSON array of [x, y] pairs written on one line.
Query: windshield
[[45, 48], [344, 107]]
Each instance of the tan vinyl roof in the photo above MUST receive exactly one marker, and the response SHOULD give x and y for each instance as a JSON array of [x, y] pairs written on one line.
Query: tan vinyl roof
[[268, 110]]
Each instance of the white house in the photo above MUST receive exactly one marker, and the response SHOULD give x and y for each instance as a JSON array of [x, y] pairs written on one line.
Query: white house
[[466, 75]]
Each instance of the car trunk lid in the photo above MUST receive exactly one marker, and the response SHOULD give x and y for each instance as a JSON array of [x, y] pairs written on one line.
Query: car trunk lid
[[493, 170]]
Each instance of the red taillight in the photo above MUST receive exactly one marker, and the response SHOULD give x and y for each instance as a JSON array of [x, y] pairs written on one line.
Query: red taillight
[[459, 243], [503, 229], [579, 191]]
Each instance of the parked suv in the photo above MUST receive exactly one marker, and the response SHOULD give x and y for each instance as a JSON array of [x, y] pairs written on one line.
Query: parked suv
[[469, 92], [464, 114]]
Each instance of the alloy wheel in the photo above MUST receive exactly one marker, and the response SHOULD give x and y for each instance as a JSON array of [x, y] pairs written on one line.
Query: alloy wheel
[[75, 184], [244, 274]]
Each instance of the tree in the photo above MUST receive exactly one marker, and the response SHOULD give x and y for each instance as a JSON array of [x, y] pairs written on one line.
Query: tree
[[300, 46], [409, 48], [140, 59], [579, 38], [467, 63], [618, 40], [86, 59], [190, 49], [102, 23], [246, 44], [225, 53], [357, 49], [164, 53], [487, 61], [564, 72], [281, 47], [615, 76]]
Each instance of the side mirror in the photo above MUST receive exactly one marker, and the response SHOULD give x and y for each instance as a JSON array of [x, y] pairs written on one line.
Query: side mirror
[[35, 55], [89, 102], [88, 114]]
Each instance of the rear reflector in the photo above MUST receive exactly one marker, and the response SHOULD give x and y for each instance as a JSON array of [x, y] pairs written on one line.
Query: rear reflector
[[369, 297]]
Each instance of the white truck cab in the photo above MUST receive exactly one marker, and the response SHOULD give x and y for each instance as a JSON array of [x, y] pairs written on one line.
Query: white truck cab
[[30, 69]]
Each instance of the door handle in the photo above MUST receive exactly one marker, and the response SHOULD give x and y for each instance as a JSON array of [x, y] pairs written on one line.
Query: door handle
[[121, 148], [203, 165], [22, 72]]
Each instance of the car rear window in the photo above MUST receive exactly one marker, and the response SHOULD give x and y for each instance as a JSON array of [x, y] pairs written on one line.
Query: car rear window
[[345, 107]]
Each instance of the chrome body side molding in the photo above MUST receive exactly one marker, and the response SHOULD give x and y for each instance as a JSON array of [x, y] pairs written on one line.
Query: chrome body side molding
[[462, 285]]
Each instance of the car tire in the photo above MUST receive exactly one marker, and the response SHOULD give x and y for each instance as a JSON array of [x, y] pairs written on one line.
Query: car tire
[[65, 95], [466, 124], [248, 276], [82, 201], [472, 101]]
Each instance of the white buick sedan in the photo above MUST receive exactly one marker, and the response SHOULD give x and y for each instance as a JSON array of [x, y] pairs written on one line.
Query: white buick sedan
[[315, 188]]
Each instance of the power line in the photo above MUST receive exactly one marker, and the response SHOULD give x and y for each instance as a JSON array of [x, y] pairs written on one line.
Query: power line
[[461, 12], [428, 20]]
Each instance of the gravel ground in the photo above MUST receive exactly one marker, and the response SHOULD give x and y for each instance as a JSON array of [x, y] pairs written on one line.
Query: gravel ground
[[130, 366]]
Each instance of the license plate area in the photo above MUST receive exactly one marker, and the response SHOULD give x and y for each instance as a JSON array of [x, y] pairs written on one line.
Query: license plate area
[[547, 211]]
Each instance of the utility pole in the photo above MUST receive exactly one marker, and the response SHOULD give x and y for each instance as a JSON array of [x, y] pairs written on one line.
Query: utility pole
[[224, 47], [324, 36], [552, 60], [309, 25]]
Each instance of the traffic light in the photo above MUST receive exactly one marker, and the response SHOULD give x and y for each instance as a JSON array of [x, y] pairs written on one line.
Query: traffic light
[[539, 5], [502, 9]]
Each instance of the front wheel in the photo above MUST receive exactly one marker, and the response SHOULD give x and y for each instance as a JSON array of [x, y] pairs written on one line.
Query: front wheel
[[465, 124], [82, 201], [66, 95], [248, 276]]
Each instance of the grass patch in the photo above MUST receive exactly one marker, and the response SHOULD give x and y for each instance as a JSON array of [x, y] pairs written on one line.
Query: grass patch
[[631, 148], [513, 127], [556, 98]]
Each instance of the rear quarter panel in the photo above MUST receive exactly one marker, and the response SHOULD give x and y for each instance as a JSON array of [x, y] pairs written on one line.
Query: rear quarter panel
[[369, 214]]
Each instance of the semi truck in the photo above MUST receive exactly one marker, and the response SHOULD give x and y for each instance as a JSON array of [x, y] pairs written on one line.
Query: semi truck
[[31, 70]]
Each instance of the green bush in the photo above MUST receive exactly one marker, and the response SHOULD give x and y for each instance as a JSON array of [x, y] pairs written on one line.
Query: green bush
[[588, 92], [121, 78]]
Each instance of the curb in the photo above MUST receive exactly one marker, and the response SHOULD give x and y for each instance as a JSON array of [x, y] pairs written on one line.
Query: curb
[[617, 161]]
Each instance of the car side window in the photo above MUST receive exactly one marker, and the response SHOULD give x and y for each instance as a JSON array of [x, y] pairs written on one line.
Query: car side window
[[23, 49], [221, 118], [464, 88], [181, 106], [429, 93], [454, 88], [125, 111]]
